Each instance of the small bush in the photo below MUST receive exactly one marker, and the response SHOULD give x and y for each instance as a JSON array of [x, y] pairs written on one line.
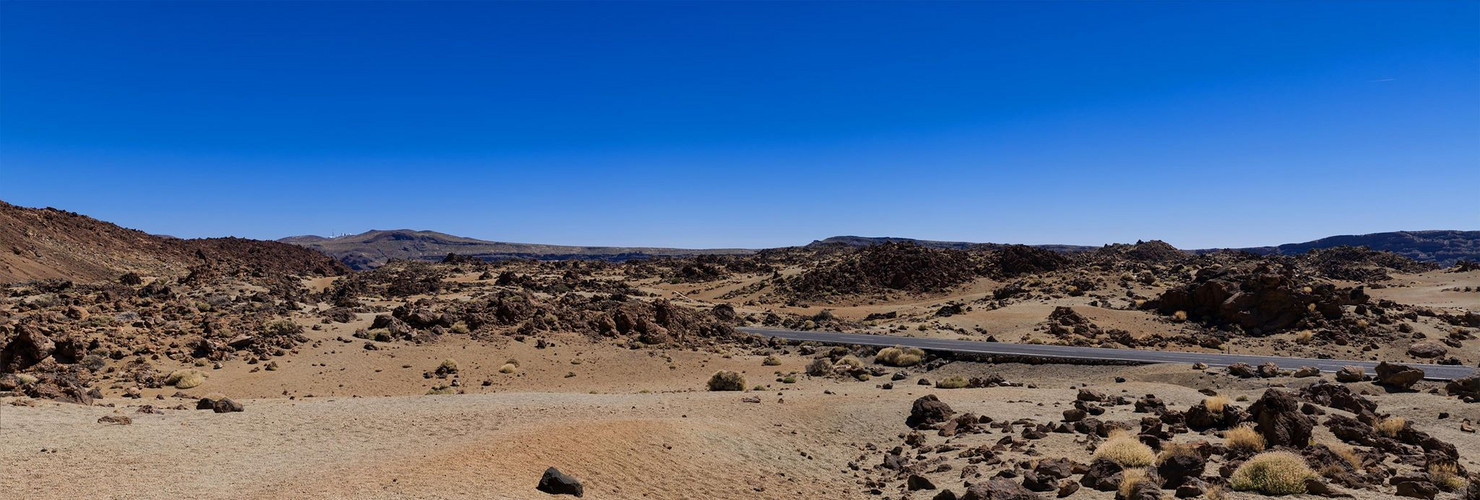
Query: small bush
[[1170, 450], [789, 379], [1216, 404], [1446, 475], [850, 361], [819, 367], [1179, 316], [460, 327], [185, 379], [1304, 336], [1245, 438], [771, 361], [508, 368], [1123, 448], [439, 390], [952, 382], [1346, 452], [447, 367], [1129, 479], [281, 327], [724, 380], [1391, 426], [899, 356], [1272, 473]]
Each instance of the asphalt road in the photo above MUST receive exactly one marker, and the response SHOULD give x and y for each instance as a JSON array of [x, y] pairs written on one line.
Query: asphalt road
[[1431, 372]]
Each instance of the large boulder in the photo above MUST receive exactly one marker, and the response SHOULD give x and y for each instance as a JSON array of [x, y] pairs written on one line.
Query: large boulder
[[928, 410], [1177, 468], [1280, 420], [1396, 375], [1349, 374], [555, 482], [999, 489], [26, 349], [1467, 388], [1427, 349], [1103, 474]]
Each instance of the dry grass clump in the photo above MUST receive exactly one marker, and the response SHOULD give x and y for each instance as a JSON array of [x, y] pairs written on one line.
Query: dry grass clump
[[448, 366], [186, 378], [819, 367], [508, 368], [1170, 450], [1129, 478], [1272, 473], [1123, 448], [850, 361], [1346, 452], [1391, 426], [1244, 437], [952, 382], [899, 356], [1446, 475], [1215, 404], [725, 380], [1304, 336], [771, 361], [1179, 316]]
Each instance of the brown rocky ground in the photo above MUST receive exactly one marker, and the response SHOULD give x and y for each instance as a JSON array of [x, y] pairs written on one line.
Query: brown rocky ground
[[466, 379]]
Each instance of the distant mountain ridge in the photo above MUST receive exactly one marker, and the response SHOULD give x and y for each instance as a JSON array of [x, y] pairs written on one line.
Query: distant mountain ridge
[[1442, 247], [376, 247]]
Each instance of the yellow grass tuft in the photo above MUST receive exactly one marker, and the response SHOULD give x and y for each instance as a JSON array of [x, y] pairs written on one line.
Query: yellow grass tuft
[[1129, 478], [1170, 450], [508, 368], [771, 361], [1179, 316], [899, 356], [1244, 437], [952, 382], [725, 380], [1215, 404], [1391, 426], [186, 378], [1123, 448], [1272, 473], [1446, 475]]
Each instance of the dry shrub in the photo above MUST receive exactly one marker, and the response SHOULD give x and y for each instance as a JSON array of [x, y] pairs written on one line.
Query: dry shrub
[[1170, 450], [1272, 473], [725, 380], [448, 366], [1346, 452], [771, 361], [899, 356], [819, 367], [1215, 404], [508, 368], [850, 361], [1179, 316], [1123, 448], [1391, 426], [952, 382], [1304, 336], [1446, 475], [186, 378], [1244, 437], [1129, 478]]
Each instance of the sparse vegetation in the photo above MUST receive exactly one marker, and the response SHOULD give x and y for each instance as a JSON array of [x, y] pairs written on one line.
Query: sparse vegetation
[[1245, 438], [819, 367], [1391, 426], [186, 379], [725, 380], [952, 382], [1123, 448], [1129, 479], [771, 361], [1446, 475], [1216, 404], [1272, 473], [508, 368], [899, 356]]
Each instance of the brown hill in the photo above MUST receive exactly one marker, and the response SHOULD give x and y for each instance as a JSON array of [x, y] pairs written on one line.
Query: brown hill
[[42, 243], [373, 249]]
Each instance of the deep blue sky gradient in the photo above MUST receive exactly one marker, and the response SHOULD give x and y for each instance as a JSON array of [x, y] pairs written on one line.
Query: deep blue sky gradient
[[748, 124]]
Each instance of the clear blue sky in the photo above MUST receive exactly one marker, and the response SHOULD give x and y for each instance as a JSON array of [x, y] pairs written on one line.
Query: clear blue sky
[[748, 124]]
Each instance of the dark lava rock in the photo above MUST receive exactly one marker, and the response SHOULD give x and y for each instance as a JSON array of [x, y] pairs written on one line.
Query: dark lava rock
[[1351, 374], [1280, 420], [1178, 468], [1242, 370], [1396, 375], [555, 482], [999, 489], [928, 410], [1103, 475], [1467, 388], [223, 405], [27, 348], [917, 482]]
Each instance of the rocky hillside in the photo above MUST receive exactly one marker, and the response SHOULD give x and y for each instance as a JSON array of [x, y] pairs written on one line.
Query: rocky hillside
[[373, 249], [44, 243], [1440, 247]]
